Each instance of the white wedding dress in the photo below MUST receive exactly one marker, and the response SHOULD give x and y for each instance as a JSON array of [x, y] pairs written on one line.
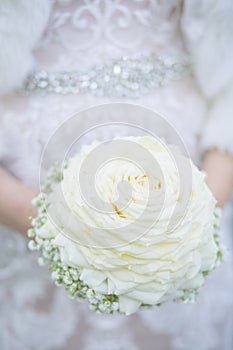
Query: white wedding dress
[[36, 315]]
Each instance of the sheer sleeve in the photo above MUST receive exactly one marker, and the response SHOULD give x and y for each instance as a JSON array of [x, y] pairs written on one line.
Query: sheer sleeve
[[208, 32]]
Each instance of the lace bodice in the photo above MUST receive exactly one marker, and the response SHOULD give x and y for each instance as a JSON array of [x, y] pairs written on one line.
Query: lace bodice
[[86, 32]]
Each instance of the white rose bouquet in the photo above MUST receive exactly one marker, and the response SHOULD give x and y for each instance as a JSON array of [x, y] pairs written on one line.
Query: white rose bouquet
[[132, 236]]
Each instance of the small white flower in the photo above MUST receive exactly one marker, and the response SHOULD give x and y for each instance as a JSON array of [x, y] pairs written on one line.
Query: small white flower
[[31, 233], [41, 261], [32, 245], [55, 275]]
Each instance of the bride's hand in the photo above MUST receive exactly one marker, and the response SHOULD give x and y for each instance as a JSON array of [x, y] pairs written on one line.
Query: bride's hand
[[15, 203], [219, 169]]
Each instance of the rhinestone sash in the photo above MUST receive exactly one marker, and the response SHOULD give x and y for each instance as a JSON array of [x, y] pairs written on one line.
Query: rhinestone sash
[[130, 77]]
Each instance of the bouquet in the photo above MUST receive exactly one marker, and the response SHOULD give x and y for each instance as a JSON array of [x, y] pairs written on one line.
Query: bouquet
[[127, 235]]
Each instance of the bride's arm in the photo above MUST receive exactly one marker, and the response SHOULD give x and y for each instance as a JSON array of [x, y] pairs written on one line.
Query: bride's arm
[[15, 203], [23, 22], [219, 169]]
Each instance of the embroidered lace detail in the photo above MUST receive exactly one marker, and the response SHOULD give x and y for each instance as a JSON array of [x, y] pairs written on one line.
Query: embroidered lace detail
[[82, 33], [123, 23]]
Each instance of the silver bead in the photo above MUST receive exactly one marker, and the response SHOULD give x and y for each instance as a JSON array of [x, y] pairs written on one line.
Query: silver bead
[[42, 84], [58, 89], [85, 84], [94, 85], [116, 69], [84, 78]]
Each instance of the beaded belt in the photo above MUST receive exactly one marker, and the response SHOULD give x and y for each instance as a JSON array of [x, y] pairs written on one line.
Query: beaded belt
[[130, 77]]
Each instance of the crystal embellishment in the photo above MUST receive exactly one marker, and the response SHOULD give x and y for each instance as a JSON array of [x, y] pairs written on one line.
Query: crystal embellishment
[[130, 77]]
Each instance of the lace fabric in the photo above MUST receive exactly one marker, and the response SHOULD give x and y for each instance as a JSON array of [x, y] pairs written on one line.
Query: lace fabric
[[104, 29]]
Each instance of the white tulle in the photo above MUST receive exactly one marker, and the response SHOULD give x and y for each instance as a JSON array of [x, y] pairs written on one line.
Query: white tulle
[[37, 315]]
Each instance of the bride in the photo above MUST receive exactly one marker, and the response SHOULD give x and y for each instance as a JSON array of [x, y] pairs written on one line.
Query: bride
[[172, 56]]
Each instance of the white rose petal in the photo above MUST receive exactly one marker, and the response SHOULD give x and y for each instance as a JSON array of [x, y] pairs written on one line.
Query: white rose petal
[[155, 267]]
